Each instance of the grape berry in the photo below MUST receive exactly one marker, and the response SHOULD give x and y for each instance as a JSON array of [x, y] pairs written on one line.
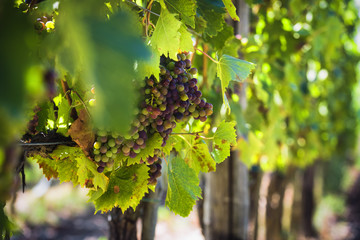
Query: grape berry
[[172, 99]]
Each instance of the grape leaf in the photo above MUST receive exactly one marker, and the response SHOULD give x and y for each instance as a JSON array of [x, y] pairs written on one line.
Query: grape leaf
[[186, 43], [212, 11], [126, 188], [47, 165], [148, 68], [195, 152], [183, 187], [170, 143], [218, 41], [63, 119], [166, 37], [231, 9], [87, 170], [103, 52], [231, 68], [66, 164], [186, 10], [81, 132], [225, 136]]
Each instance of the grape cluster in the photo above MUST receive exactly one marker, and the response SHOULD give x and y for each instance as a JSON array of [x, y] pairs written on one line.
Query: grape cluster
[[173, 98]]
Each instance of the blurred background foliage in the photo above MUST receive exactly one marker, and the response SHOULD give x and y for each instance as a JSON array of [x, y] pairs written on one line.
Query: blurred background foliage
[[302, 99]]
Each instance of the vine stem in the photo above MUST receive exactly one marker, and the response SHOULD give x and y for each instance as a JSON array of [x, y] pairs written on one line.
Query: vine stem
[[86, 109], [145, 9], [207, 56], [165, 159], [192, 133]]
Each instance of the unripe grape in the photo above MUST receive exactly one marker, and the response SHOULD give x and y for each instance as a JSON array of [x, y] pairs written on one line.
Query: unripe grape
[[111, 143], [97, 158], [140, 141], [192, 108], [104, 158], [109, 154], [184, 97], [193, 71], [195, 114], [119, 140], [102, 133], [171, 66], [97, 145], [114, 150], [188, 63], [125, 149]]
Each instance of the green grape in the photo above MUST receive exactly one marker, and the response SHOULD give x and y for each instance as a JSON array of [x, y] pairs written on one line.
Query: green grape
[[102, 133], [109, 154], [162, 107], [184, 97], [111, 143], [104, 158], [97, 145], [125, 149], [195, 114], [135, 136], [97, 158], [110, 164], [114, 150], [171, 66], [193, 71], [181, 109], [140, 141], [96, 151], [192, 108]]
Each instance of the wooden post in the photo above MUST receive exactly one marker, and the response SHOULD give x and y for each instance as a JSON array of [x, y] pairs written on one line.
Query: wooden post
[[226, 206], [123, 225], [274, 206], [226, 195]]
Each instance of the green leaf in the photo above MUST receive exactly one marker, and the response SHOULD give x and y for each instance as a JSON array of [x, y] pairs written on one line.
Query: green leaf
[[225, 136], [126, 188], [104, 53], [231, 10], [148, 68], [63, 119], [186, 9], [46, 7], [87, 170], [46, 113], [212, 11], [66, 164], [166, 37], [47, 165], [186, 43], [230, 68], [183, 187], [218, 41], [195, 152]]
